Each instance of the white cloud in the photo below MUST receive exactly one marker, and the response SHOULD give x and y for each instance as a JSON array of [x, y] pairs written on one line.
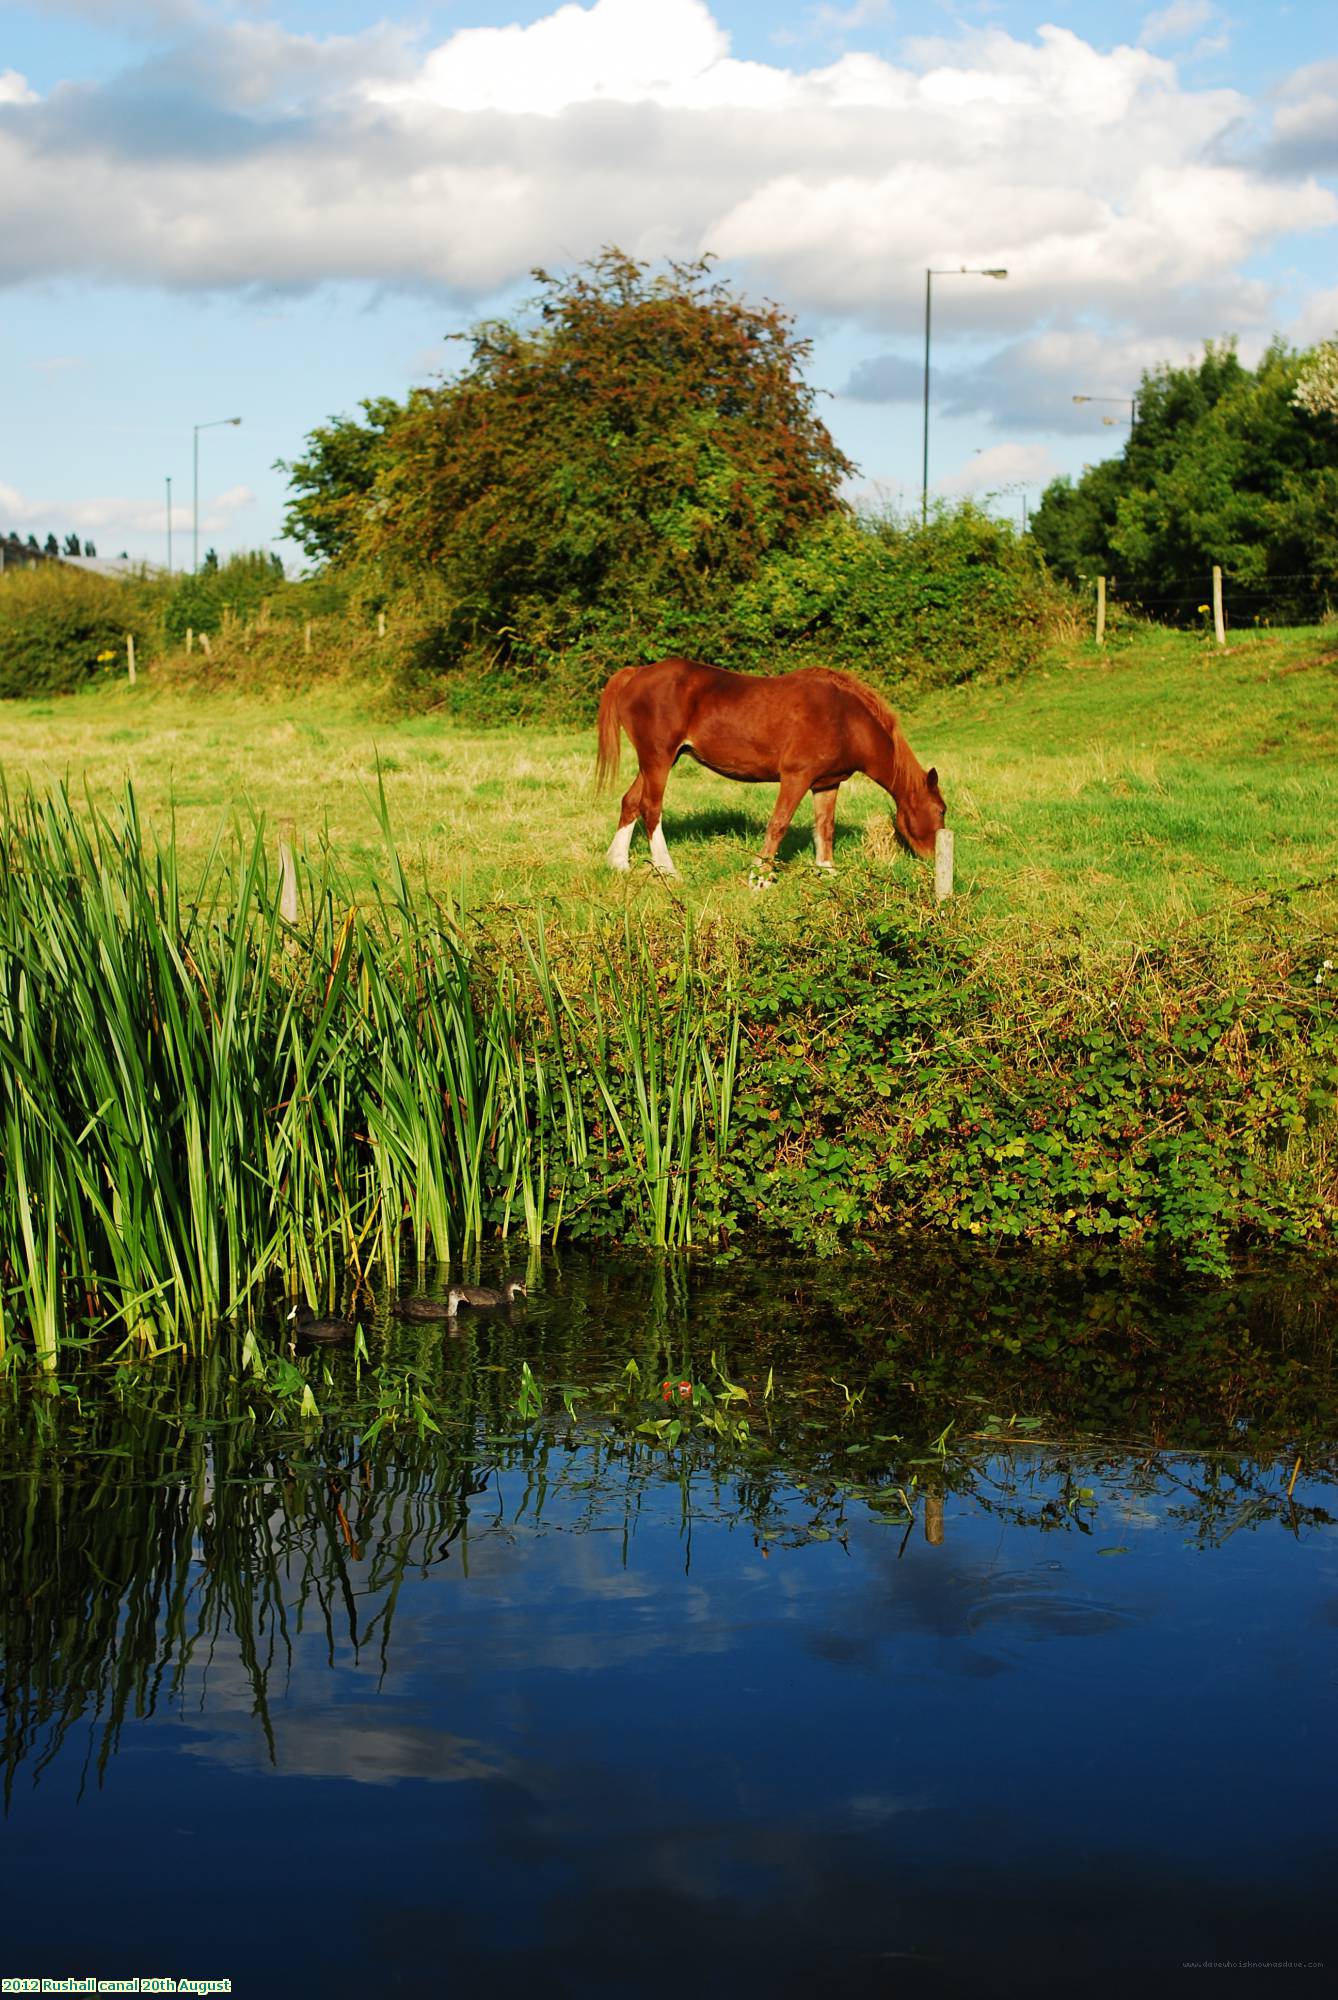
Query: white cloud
[[1177, 22], [14, 88], [1305, 123], [282, 162], [1318, 320], [120, 517], [846, 20], [623, 51], [1000, 469]]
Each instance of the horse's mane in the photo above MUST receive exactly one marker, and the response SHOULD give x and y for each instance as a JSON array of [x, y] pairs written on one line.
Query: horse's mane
[[880, 711], [873, 702]]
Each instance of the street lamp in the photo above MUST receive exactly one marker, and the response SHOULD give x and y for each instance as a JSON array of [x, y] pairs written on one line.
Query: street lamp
[[195, 516], [1132, 401], [958, 271]]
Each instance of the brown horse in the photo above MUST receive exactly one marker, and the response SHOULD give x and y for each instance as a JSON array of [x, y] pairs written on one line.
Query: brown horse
[[811, 730]]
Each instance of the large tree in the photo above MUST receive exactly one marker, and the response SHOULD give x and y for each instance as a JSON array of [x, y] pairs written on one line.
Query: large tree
[[627, 455]]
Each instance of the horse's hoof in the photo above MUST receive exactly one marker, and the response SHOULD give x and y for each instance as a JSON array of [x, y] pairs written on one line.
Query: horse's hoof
[[758, 881], [825, 867]]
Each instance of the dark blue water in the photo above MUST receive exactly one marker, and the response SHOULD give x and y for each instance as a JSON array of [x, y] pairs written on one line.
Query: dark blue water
[[541, 1708]]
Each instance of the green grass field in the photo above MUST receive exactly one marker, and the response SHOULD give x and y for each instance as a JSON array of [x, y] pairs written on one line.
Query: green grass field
[[1108, 797]]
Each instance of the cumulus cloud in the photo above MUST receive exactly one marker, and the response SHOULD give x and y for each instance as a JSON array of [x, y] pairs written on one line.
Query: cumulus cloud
[[1177, 22], [1305, 121], [1318, 319], [120, 517], [240, 155], [999, 470], [886, 378]]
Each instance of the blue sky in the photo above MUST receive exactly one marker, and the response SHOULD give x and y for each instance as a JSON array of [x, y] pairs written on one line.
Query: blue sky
[[273, 211]]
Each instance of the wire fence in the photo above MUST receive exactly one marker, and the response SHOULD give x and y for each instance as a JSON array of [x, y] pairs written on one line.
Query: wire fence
[[1287, 596]]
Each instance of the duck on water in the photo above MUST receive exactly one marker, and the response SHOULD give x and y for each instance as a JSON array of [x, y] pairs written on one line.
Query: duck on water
[[483, 1298], [307, 1325]]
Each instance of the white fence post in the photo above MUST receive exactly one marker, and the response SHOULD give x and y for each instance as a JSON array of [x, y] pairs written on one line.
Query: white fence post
[[1219, 616], [943, 845]]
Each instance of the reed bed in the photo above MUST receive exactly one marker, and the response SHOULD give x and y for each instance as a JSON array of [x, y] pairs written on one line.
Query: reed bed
[[198, 1098]]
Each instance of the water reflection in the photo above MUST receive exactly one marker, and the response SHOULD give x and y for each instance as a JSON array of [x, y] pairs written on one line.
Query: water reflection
[[1033, 1574]]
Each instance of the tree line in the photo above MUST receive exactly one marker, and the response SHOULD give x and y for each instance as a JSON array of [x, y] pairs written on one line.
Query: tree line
[[640, 468], [637, 465], [51, 547], [1224, 464]]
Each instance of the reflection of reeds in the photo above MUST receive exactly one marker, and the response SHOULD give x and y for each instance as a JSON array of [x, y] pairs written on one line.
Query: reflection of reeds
[[164, 1534], [196, 1515], [195, 1094]]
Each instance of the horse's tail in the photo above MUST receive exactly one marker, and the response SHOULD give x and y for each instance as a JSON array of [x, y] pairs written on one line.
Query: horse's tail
[[610, 728]]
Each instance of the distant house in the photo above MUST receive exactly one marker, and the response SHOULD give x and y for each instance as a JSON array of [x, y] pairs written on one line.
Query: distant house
[[113, 565], [16, 554]]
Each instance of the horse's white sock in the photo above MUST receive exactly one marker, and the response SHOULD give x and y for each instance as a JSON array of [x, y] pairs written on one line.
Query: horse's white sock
[[659, 853], [620, 847]]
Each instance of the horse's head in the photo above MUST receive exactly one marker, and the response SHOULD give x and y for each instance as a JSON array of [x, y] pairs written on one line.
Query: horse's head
[[919, 817]]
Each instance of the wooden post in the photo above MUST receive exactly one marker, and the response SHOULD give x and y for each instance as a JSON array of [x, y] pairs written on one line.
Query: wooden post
[[287, 872], [934, 1519], [1219, 616], [205, 646], [943, 864], [190, 638], [306, 637], [1101, 611], [380, 624], [130, 657]]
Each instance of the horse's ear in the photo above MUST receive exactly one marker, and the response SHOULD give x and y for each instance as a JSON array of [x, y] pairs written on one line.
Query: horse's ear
[[931, 777]]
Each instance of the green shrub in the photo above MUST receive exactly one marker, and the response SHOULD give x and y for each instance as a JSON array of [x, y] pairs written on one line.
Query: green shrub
[[922, 604], [62, 628], [904, 604], [207, 599]]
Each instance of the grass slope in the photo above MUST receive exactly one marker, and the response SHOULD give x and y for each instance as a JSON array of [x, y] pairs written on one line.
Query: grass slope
[[1109, 797]]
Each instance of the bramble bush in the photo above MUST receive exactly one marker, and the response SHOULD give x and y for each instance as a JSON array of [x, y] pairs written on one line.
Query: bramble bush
[[1192, 1118]]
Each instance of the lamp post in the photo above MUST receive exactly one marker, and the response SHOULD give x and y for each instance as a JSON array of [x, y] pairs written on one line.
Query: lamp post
[[958, 271], [169, 525], [195, 513], [1132, 401]]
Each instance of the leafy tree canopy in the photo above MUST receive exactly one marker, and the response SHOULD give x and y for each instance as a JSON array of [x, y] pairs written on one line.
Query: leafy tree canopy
[[630, 455], [1224, 465], [332, 481]]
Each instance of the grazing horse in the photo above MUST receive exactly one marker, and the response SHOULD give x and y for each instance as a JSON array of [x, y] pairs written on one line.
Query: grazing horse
[[811, 730]]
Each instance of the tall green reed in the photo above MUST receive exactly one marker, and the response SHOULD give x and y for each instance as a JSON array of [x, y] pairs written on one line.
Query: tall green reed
[[198, 1099]]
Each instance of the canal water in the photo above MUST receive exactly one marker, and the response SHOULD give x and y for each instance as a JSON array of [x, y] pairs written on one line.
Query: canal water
[[867, 1627]]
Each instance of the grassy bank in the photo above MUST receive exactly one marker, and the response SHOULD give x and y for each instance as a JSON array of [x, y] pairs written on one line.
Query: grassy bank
[[1106, 796], [1122, 1030]]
